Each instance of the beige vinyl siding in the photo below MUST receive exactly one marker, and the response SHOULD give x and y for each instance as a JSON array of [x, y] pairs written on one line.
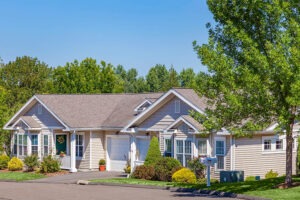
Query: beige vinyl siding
[[98, 151], [250, 158], [228, 154], [84, 162], [166, 115]]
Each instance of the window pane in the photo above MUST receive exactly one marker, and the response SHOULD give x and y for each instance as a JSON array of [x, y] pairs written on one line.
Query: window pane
[[16, 138], [279, 144], [25, 139], [267, 144], [179, 146], [25, 150], [187, 158], [34, 150], [20, 150], [20, 139], [45, 140], [180, 158], [220, 160], [188, 147], [46, 151], [34, 140], [168, 147], [220, 147], [202, 147], [15, 149]]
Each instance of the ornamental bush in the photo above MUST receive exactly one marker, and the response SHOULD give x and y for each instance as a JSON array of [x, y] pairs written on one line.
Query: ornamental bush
[[271, 174], [165, 167], [31, 162], [50, 165], [197, 167], [250, 178], [4, 159], [144, 172], [184, 175], [15, 164], [153, 154]]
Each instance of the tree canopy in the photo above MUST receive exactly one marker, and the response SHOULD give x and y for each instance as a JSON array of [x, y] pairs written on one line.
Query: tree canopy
[[253, 61]]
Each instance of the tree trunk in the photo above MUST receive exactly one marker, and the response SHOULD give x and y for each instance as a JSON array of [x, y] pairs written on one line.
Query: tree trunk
[[289, 155]]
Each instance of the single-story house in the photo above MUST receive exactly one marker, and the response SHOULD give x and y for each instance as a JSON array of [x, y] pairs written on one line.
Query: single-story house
[[118, 128]]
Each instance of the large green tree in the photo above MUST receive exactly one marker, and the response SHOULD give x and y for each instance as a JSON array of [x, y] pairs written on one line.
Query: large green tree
[[157, 77], [253, 59]]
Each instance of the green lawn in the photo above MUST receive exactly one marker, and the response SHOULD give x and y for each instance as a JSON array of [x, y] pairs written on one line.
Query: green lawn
[[263, 188], [20, 176]]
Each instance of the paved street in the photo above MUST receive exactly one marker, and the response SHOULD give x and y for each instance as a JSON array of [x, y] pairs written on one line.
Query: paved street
[[49, 191]]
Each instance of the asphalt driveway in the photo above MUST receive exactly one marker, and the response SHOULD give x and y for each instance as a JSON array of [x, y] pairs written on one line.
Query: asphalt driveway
[[74, 177], [49, 191]]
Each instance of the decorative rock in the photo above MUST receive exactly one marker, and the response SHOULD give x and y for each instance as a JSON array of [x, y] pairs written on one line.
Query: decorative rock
[[82, 182]]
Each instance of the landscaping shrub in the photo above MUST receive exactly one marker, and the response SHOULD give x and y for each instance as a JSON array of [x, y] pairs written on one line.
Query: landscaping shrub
[[165, 167], [4, 159], [271, 174], [15, 164], [50, 165], [197, 167], [144, 172], [184, 175], [153, 154], [204, 180], [250, 178], [31, 162]]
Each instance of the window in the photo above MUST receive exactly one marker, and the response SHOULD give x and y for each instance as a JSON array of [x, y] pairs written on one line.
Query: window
[[267, 144], [183, 151], [220, 154], [168, 148], [79, 145], [15, 148], [22, 144], [202, 147], [177, 106], [279, 144], [34, 144], [46, 145], [40, 109]]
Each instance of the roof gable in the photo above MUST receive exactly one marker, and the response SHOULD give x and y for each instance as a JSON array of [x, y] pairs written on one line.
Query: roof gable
[[189, 121]]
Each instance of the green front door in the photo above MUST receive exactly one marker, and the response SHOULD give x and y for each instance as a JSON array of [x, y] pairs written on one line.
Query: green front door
[[61, 144]]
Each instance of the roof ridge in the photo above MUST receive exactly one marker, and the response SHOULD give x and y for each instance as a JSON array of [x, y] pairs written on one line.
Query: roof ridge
[[103, 94]]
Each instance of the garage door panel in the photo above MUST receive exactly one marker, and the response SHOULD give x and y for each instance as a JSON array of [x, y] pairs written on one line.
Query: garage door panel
[[118, 150]]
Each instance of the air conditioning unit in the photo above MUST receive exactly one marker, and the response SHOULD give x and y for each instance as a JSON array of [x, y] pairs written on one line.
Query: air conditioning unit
[[231, 176]]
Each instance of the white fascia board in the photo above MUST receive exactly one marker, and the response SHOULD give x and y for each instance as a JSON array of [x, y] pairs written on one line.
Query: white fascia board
[[158, 102], [21, 121], [186, 122], [146, 101], [11, 119]]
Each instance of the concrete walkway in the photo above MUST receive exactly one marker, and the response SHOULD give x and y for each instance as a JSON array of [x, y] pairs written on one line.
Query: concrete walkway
[[72, 178]]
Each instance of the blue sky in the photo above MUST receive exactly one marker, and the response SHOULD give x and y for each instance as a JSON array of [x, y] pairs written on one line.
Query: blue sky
[[134, 33]]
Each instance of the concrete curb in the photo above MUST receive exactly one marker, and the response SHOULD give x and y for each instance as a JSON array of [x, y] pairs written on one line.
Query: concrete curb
[[178, 189]]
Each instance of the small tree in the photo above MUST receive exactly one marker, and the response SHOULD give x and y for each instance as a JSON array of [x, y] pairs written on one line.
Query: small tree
[[153, 152]]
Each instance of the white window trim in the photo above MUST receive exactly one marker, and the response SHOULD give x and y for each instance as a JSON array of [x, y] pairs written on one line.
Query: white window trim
[[223, 139], [273, 144], [43, 150], [197, 143], [83, 145], [38, 143], [177, 106], [175, 149], [28, 145]]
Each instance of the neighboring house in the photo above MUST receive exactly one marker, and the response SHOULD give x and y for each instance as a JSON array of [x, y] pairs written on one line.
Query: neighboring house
[[118, 128]]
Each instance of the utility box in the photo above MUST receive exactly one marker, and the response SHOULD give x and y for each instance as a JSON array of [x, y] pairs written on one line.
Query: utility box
[[231, 176]]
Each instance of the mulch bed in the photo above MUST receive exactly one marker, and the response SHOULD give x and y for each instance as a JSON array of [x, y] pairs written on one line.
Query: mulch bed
[[284, 185]]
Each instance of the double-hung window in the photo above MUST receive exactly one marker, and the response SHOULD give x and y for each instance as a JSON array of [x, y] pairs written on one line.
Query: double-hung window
[[168, 147], [79, 145], [267, 144], [220, 154], [202, 147], [183, 151], [22, 145], [279, 144], [34, 144], [46, 145]]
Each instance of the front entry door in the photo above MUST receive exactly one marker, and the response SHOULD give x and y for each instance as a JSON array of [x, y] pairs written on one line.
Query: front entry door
[[61, 144]]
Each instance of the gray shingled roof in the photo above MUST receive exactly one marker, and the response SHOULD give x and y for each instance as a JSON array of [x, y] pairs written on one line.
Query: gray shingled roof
[[31, 122], [193, 122], [95, 111]]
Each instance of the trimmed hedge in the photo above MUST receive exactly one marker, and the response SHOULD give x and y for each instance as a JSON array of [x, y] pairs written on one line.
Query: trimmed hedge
[[15, 164], [184, 175], [153, 154], [165, 167], [4, 159], [144, 172]]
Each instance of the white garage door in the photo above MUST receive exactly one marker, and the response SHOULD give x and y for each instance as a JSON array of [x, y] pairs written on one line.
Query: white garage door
[[118, 152], [142, 145]]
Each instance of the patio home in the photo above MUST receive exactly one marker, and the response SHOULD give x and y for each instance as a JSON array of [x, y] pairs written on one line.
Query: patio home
[[82, 129]]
